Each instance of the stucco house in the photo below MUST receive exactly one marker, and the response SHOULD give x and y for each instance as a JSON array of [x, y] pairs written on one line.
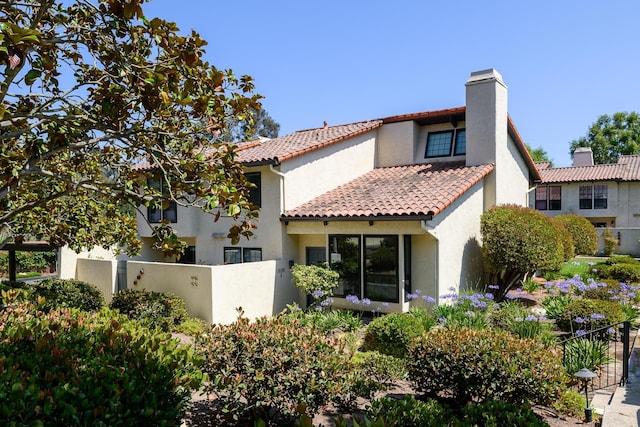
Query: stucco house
[[393, 204], [608, 195]]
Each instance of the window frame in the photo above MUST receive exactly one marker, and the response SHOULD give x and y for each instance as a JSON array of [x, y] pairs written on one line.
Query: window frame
[[455, 141], [552, 200], [241, 254], [255, 193], [158, 215], [597, 197], [366, 261]]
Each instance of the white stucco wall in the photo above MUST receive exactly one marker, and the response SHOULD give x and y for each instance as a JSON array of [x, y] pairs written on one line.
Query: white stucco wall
[[68, 259], [100, 273], [396, 144]]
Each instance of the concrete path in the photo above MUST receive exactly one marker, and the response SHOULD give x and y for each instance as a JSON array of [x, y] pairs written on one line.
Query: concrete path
[[623, 408]]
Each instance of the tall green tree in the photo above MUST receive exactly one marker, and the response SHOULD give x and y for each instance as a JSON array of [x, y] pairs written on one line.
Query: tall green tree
[[539, 155], [95, 100], [258, 123], [611, 136]]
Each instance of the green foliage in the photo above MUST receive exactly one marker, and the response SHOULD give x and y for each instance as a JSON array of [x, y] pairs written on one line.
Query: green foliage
[[571, 403], [565, 236], [371, 372], [425, 317], [623, 272], [409, 412], [611, 136], [326, 321], [467, 311], [68, 293], [317, 281], [531, 285], [583, 233], [67, 367], [156, 310], [555, 305], [274, 369], [496, 413], [621, 259], [28, 261], [130, 89], [589, 314], [585, 353], [506, 312], [517, 241], [610, 242], [192, 326], [467, 365], [539, 155], [393, 333]]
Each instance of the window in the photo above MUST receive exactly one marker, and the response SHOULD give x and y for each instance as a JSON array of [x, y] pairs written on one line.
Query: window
[[446, 143], [593, 197], [368, 266], [240, 255], [169, 210], [255, 193], [549, 197]]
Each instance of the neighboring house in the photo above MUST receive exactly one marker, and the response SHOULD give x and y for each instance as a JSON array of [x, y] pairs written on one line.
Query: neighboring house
[[608, 195], [393, 204]]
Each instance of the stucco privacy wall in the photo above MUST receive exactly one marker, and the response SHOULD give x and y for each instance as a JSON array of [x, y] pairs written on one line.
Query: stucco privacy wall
[[629, 239], [100, 273], [211, 293], [68, 259]]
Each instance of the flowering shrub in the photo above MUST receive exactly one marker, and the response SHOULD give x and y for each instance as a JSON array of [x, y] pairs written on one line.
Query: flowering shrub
[[271, 369], [474, 365], [583, 315], [467, 310], [393, 333], [68, 367], [317, 281]]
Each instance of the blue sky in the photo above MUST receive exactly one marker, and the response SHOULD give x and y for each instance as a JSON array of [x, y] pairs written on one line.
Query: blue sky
[[565, 62]]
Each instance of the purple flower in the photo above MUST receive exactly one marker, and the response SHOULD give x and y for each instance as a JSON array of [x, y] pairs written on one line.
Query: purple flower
[[352, 299], [494, 287], [418, 291], [442, 320], [428, 299], [579, 320], [597, 316], [611, 331], [385, 304], [580, 333], [531, 318], [412, 296], [509, 296], [366, 301], [317, 293], [470, 314], [518, 319]]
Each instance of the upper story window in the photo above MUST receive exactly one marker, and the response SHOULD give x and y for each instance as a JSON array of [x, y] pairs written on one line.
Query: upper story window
[[549, 198], [594, 196], [169, 210], [255, 193], [446, 143]]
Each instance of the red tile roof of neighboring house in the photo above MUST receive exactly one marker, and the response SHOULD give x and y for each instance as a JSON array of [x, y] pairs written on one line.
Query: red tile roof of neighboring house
[[397, 192], [627, 169], [277, 150]]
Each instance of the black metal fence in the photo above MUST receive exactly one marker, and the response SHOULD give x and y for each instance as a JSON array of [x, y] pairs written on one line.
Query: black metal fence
[[618, 339]]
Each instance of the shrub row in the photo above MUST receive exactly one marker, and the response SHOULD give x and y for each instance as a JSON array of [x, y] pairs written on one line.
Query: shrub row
[[393, 334], [28, 261]]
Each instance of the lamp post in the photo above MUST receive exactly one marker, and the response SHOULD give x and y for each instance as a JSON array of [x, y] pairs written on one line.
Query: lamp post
[[585, 375]]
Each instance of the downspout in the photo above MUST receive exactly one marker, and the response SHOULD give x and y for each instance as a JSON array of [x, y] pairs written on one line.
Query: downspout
[[526, 195], [281, 175], [430, 230]]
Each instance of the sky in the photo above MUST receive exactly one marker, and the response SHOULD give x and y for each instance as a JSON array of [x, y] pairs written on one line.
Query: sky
[[565, 62]]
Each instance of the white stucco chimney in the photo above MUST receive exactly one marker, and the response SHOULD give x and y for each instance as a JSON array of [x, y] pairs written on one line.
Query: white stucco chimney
[[486, 117], [583, 156]]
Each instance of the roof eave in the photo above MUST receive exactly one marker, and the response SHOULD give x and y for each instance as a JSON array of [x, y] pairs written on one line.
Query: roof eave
[[419, 217]]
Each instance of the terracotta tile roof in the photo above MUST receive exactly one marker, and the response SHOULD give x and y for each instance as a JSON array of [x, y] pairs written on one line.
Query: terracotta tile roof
[[277, 150], [627, 169], [394, 193]]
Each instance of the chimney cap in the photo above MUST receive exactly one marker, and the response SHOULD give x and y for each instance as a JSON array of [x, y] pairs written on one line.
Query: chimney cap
[[483, 76]]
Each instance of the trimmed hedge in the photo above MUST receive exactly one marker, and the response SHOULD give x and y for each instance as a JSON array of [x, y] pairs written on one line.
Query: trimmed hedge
[[393, 333], [467, 365], [68, 293], [583, 233]]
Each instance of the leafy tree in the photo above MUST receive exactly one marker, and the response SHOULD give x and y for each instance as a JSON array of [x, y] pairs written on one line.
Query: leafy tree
[[539, 154], [611, 136], [257, 124], [517, 241], [95, 100]]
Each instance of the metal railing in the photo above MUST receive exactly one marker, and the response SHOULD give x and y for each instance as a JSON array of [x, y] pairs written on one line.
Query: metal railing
[[619, 341]]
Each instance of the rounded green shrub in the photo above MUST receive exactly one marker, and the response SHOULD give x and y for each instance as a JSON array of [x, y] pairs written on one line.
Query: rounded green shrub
[[68, 293], [568, 247], [589, 314], [466, 365], [272, 369], [623, 272], [161, 310], [71, 367], [497, 413], [583, 233], [393, 333]]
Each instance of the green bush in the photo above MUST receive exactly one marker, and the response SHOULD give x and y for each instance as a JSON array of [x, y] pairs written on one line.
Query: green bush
[[506, 312], [517, 241], [568, 247], [156, 310], [622, 259], [393, 333], [409, 412], [588, 315], [496, 413], [623, 272], [68, 293], [69, 367], [271, 369], [583, 233], [425, 317], [571, 403], [315, 280], [467, 365], [463, 314], [585, 353], [331, 321]]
